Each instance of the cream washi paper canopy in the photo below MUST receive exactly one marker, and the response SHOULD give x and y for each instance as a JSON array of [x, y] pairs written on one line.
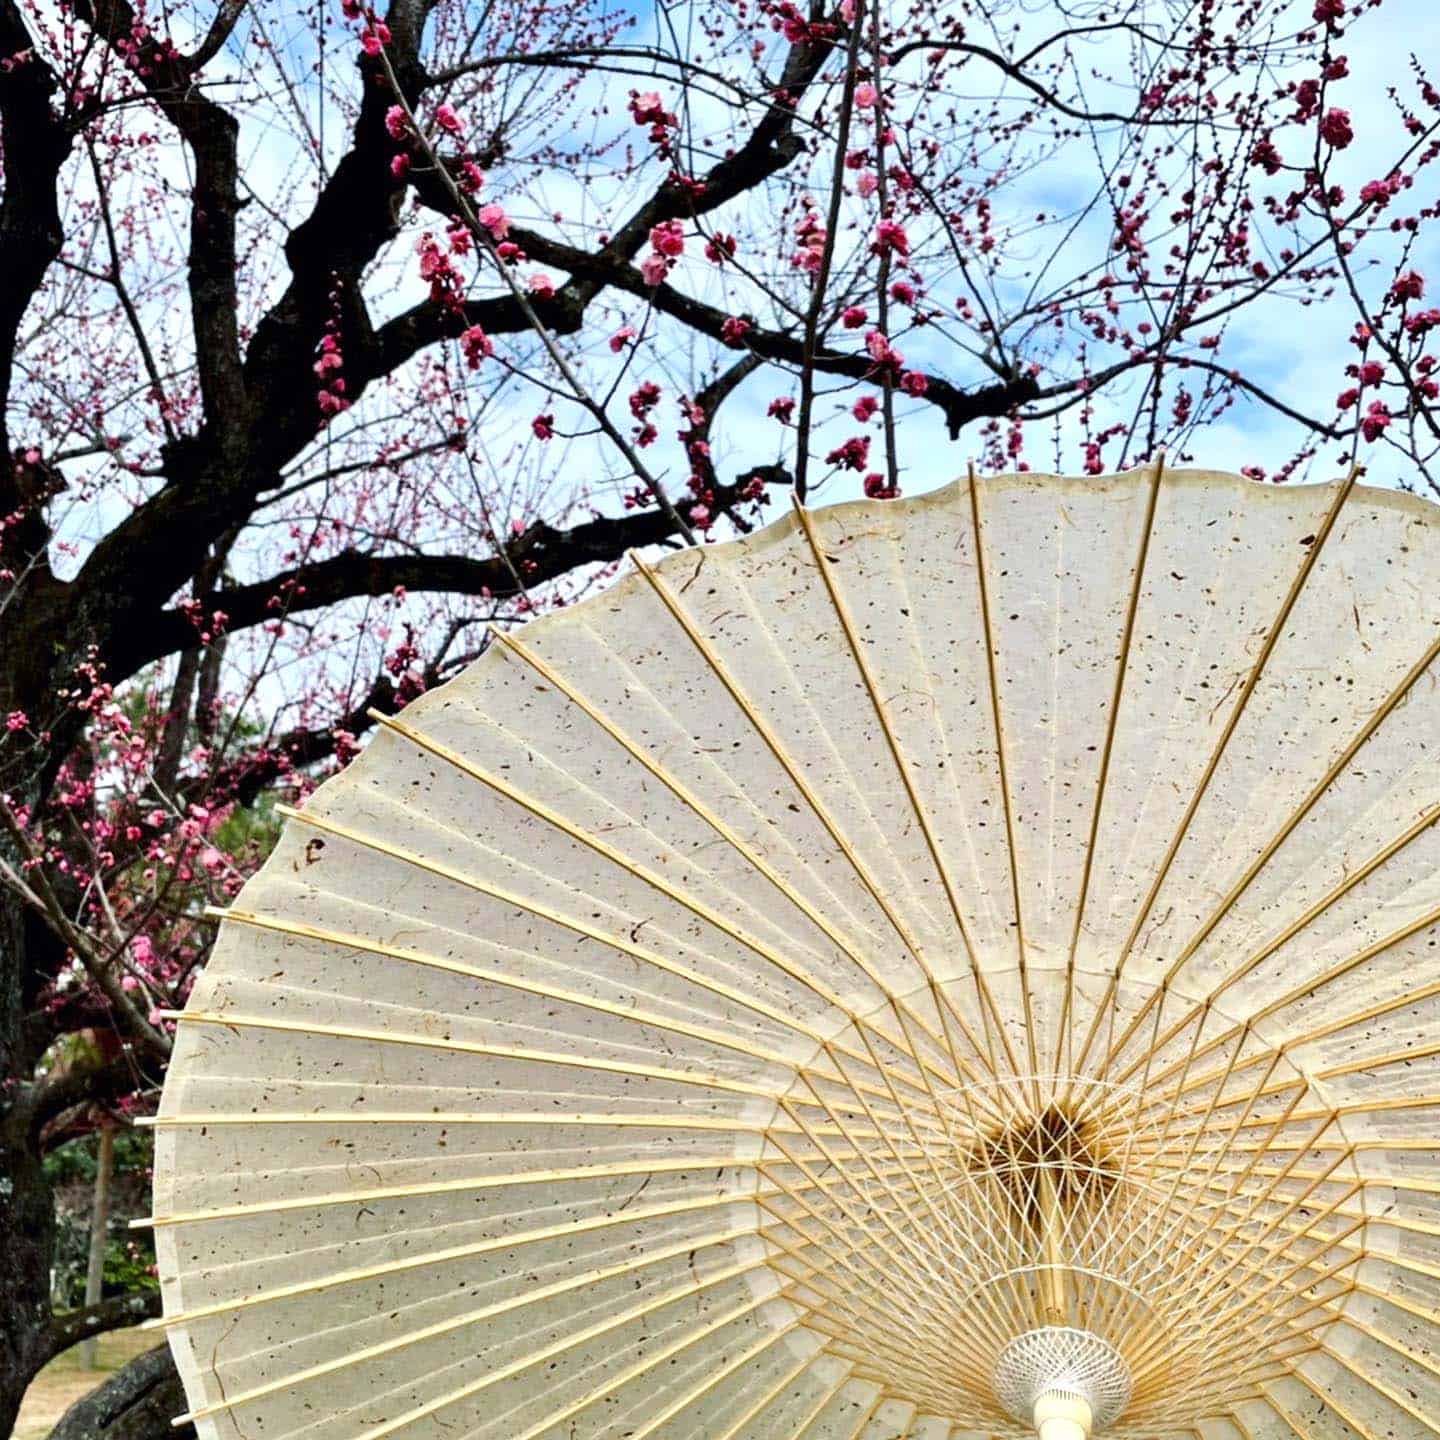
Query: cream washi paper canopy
[[951, 968]]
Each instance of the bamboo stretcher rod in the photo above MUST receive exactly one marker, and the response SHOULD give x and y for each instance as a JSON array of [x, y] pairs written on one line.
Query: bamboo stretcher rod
[[878, 1311], [885, 1179], [1236, 1371], [907, 1353], [922, 1191], [1250, 1348], [814, 1132], [891, 1272]]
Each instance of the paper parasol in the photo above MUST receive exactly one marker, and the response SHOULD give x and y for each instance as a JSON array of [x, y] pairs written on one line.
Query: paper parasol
[[950, 968]]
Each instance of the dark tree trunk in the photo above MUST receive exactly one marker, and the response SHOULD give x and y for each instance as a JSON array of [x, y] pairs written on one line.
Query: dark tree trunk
[[135, 1403], [27, 1211]]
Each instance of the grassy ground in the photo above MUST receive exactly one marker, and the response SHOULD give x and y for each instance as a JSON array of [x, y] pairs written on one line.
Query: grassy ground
[[62, 1382]]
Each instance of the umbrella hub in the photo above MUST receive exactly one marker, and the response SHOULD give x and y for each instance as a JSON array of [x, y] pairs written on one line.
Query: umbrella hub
[[1066, 1382]]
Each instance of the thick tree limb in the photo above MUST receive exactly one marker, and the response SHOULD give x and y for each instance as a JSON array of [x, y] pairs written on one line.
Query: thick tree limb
[[135, 1403], [541, 553], [35, 144], [117, 1313], [100, 1083]]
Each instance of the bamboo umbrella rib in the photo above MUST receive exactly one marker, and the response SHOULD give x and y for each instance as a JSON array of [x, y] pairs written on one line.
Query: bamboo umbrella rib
[[673, 1120], [1097, 807], [1402, 1144], [1289, 1417], [1328, 977], [511, 981], [667, 1352], [868, 1414], [1202, 1008], [656, 882], [1402, 1001], [1348, 1416], [1431, 1316], [563, 1059], [763, 1401], [907, 781], [688, 798], [508, 898], [504, 1307], [440, 1257], [492, 1377], [1408, 1183], [560, 1176], [983, 594], [1391, 1342], [1287, 828], [233, 1020], [815, 1411], [721, 1373], [617, 858], [782, 756], [439, 1187], [1232, 722], [908, 1431]]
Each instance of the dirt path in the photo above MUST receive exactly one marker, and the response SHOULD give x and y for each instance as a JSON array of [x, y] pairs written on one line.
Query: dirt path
[[62, 1382]]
